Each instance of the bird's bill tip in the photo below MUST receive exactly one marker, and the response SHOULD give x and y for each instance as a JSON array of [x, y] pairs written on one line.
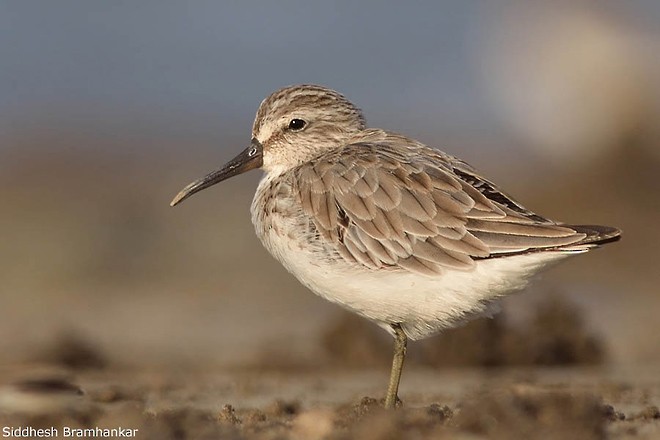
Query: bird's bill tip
[[248, 159], [194, 187], [184, 193]]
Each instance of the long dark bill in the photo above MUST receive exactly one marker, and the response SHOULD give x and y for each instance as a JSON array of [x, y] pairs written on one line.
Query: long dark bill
[[250, 158]]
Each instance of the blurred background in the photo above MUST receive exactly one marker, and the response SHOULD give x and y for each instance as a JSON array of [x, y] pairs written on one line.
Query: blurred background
[[107, 109]]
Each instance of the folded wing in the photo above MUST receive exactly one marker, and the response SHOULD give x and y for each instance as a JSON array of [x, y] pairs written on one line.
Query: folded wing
[[419, 212]]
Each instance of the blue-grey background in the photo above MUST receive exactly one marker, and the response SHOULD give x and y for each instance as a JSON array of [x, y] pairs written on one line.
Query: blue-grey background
[[200, 68], [107, 108]]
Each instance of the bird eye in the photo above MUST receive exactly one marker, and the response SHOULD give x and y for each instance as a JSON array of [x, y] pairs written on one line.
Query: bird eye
[[252, 151], [297, 124]]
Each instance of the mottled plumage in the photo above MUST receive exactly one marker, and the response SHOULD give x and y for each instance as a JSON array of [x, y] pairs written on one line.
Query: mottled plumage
[[400, 233]]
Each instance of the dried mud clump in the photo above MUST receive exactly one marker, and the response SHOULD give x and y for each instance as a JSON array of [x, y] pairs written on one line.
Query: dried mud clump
[[555, 334], [367, 419], [649, 413]]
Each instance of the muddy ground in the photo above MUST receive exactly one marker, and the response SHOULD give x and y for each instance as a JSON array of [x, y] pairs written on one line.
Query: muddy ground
[[565, 403], [489, 379]]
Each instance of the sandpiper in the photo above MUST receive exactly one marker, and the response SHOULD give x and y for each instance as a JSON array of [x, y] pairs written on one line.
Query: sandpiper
[[400, 233]]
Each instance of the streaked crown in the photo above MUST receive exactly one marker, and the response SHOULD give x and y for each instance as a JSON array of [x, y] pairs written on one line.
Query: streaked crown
[[297, 123]]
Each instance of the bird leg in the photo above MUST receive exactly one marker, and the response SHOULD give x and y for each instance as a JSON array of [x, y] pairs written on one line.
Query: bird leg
[[400, 342]]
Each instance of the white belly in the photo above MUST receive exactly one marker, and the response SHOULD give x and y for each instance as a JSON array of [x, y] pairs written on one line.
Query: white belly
[[422, 305]]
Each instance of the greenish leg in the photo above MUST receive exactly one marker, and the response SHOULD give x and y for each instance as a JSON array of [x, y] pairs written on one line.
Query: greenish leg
[[400, 342]]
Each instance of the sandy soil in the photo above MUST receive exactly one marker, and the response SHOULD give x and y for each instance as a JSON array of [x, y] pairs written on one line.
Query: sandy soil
[[496, 378], [566, 403]]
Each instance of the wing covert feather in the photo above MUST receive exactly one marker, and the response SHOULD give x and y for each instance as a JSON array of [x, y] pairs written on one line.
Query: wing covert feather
[[381, 208]]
